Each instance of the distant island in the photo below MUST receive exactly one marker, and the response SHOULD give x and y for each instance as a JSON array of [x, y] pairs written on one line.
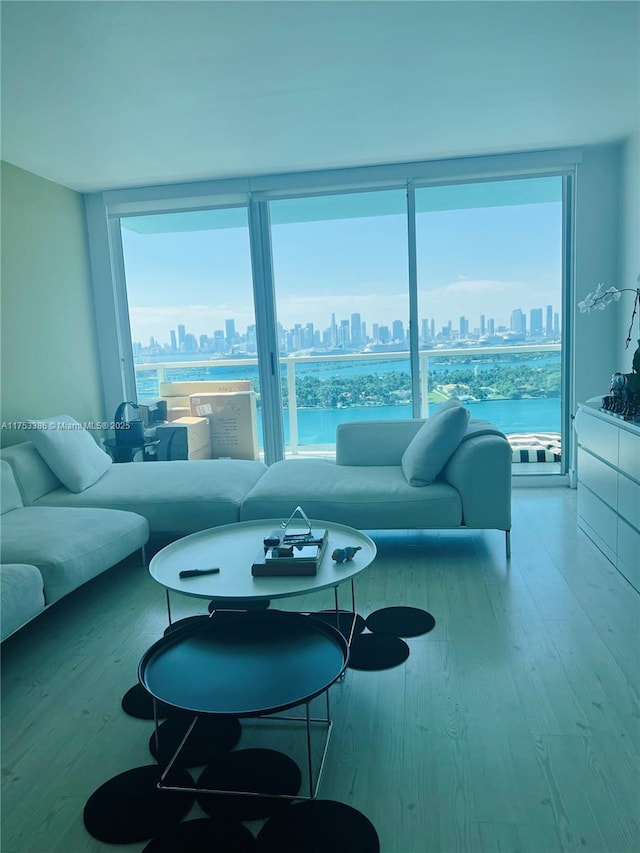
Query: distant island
[[394, 387]]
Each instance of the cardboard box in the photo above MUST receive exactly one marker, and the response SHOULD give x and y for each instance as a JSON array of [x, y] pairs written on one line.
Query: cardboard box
[[184, 438], [204, 386], [233, 420], [175, 412]]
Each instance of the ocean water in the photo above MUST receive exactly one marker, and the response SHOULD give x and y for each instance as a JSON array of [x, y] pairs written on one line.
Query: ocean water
[[318, 426]]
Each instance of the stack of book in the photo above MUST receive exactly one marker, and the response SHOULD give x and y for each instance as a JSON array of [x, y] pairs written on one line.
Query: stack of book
[[297, 552]]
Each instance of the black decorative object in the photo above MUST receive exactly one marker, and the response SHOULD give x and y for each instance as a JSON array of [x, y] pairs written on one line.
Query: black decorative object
[[377, 651], [130, 807], [205, 835], [400, 621], [318, 826], [624, 393], [262, 771], [209, 738]]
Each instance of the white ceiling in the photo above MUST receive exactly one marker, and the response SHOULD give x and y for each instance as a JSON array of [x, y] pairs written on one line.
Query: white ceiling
[[101, 94]]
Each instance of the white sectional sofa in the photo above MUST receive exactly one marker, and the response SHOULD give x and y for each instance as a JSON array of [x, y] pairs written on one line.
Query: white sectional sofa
[[448, 472], [46, 552]]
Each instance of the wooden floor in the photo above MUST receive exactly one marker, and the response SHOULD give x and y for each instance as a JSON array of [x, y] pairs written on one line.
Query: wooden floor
[[513, 726]]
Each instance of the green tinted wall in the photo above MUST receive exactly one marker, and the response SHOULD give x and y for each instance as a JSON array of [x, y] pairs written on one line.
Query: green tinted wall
[[49, 362]]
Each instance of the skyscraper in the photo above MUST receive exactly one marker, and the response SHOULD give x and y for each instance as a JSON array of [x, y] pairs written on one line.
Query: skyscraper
[[518, 322], [174, 345], [356, 330], [535, 323], [549, 323], [181, 334], [397, 331]]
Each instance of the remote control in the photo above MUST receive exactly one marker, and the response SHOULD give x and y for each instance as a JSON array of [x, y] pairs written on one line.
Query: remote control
[[194, 573]]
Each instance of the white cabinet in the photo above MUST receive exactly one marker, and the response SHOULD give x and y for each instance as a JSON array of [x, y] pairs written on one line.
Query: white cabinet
[[609, 486]]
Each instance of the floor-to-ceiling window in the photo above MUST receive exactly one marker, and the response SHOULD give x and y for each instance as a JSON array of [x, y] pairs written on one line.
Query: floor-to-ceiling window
[[190, 299], [377, 298], [342, 304], [490, 296]]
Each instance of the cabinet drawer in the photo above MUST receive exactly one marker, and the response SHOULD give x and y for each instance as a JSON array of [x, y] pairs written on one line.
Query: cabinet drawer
[[629, 552], [600, 437], [629, 500], [598, 521], [629, 454], [599, 477]]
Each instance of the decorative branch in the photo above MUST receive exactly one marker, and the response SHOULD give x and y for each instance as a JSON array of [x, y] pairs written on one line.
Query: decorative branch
[[600, 298]]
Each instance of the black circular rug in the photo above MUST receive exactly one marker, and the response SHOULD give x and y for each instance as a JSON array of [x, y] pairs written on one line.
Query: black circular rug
[[260, 770], [345, 618], [129, 807], [240, 604], [401, 621], [377, 651], [204, 835], [138, 702], [318, 826], [211, 736]]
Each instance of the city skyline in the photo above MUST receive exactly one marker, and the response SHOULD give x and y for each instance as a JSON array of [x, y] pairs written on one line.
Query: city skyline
[[355, 333]]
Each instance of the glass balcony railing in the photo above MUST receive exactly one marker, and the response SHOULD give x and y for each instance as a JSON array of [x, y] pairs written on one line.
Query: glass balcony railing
[[518, 388]]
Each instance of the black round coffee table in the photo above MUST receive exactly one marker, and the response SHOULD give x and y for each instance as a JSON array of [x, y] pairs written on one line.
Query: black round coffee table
[[246, 664]]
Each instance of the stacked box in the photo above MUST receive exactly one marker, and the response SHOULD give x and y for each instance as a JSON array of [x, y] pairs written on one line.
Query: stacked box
[[176, 394], [184, 438], [233, 421]]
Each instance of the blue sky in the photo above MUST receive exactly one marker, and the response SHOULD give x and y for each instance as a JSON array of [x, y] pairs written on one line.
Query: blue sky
[[471, 260]]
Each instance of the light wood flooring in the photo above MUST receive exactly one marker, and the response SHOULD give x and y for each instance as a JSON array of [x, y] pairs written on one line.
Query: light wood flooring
[[513, 726]]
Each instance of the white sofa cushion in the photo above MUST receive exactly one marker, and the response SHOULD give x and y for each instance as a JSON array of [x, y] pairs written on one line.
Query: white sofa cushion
[[176, 497], [21, 596], [9, 492], [362, 496], [433, 445], [69, 546], [70, 451]]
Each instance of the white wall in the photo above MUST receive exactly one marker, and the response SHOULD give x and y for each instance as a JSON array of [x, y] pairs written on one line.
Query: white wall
[[597, 259], [49, 356]]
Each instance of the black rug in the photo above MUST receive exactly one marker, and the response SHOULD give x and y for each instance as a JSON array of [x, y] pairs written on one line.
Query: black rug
[[211, 737], [204, 835], [129, 807], [138, 702], [318, 826], [261, 770], [377, 651], [345, 618], [400, 621], [239, 604]]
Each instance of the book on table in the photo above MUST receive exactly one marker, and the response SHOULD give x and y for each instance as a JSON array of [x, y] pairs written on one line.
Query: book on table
[[298, 552]]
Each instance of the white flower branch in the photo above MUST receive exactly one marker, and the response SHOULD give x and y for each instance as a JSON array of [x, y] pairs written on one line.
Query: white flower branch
[[600, 298]]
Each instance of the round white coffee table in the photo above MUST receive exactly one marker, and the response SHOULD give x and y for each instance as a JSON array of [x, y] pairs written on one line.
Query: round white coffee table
[[234, 547]]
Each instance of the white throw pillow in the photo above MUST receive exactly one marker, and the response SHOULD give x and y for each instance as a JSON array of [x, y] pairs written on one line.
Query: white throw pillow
[[433, 445], [70, 451]]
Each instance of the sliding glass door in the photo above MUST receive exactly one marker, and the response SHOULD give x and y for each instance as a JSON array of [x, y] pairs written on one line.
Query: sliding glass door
[[190, 298], [342, 303], [490, 296]]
